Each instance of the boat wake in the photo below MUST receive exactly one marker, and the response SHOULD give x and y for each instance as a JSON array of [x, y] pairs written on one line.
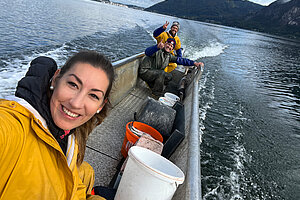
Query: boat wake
[[116, 46], [212, 49], [223, 154]]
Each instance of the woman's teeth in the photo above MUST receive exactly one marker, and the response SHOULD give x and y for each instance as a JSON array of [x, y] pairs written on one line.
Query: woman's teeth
[[69, 113]]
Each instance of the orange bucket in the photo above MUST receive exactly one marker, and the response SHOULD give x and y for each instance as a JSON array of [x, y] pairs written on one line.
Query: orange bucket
[[131, 138]]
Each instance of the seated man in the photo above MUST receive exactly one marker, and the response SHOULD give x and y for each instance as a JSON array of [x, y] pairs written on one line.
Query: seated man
[[161, 35], [157, 58]]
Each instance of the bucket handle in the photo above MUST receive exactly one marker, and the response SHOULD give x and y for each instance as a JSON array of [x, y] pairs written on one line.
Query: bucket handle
[[175, 185]]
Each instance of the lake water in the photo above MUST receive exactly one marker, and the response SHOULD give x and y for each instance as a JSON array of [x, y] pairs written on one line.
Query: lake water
[[249, 92]]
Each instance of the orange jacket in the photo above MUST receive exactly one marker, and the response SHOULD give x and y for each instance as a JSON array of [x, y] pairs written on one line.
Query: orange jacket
[[162, 37]]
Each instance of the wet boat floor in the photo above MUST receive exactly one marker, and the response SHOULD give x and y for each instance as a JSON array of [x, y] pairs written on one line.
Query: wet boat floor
[[105, 142]]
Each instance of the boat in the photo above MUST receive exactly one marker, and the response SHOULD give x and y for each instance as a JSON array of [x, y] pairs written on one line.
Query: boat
[[103, 150]]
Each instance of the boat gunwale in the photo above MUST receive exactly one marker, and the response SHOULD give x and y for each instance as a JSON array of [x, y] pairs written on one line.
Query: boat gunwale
[[120, 63], [194, 166]]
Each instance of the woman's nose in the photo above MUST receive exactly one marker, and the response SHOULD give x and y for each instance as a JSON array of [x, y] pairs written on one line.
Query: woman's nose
[[77, 100]]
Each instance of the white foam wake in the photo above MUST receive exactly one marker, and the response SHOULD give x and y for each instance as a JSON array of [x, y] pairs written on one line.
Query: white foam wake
[[213, 49], [16, 68]]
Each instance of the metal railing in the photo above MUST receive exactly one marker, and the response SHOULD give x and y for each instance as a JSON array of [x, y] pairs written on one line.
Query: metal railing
[[194, 168]]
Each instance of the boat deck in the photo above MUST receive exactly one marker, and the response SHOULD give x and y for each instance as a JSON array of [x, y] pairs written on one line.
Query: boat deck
[[105, 142]]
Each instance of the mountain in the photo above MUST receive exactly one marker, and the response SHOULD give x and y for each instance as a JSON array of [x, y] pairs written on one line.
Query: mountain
[[282, 17], [225, 12]]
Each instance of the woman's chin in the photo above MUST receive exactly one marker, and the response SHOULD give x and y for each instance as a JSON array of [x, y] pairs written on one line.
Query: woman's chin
[[65, 126]]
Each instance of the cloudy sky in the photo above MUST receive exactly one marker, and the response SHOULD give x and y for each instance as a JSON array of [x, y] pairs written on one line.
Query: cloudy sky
[[142, 3], [263, 2]]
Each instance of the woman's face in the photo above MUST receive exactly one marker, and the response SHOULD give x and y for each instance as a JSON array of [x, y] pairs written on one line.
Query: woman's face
[[77, 95]]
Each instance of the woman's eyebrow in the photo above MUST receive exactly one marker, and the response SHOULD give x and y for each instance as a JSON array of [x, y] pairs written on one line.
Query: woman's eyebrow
[[77, 78], [80, 82], [97, 90]]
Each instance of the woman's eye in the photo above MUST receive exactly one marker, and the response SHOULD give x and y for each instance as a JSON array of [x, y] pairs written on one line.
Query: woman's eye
[[94, 96], [72, 84]]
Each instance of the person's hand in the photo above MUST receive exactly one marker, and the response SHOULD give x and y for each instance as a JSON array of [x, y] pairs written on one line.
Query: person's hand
[[199, 64], [165, 26], [160, 45]]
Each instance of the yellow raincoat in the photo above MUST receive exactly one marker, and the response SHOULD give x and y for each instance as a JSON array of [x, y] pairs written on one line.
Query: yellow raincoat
[[32, 164]]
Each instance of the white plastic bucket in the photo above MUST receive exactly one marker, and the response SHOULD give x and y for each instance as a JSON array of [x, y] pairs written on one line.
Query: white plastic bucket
[[148, 175], [166, 101], [172, 97]]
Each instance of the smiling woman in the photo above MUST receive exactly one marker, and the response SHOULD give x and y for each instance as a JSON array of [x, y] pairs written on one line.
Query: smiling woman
[[44, 129], [80, 90], [77, 95]]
